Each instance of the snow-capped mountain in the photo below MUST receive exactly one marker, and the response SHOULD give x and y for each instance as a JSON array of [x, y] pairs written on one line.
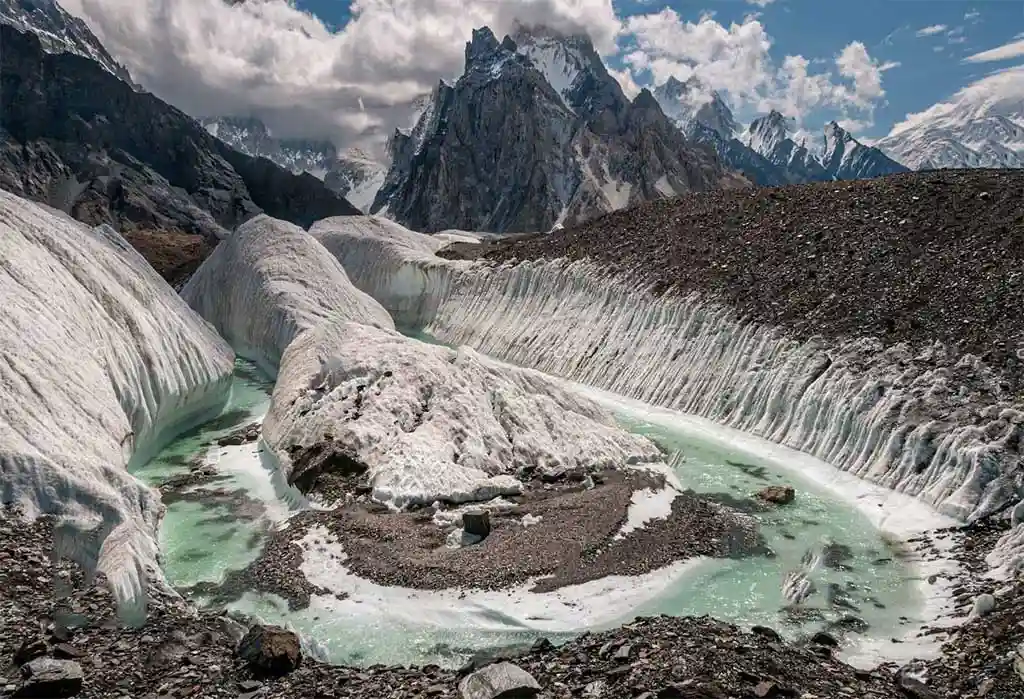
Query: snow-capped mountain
[[59, 31], [846, 158], [981, 126], [839, 156], [536, 132], [692, 103], [768, 152], [354, 174], [251, 136]]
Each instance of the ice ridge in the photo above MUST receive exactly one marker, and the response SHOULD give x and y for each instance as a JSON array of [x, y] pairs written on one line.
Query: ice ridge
[[102, 363]]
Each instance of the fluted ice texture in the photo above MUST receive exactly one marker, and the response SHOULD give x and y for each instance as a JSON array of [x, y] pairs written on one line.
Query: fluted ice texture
[[101, 363], [268, 282], [397, 264], [429, 422], [921, 422]]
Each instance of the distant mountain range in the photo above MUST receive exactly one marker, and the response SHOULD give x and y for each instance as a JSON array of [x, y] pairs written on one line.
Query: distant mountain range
[[766, 152], [537, 133]]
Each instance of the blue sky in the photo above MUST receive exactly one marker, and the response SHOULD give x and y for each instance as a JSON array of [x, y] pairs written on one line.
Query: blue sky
[[931, 66]]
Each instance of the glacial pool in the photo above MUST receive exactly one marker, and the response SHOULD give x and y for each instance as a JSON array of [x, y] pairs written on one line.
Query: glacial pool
[[864, 580]]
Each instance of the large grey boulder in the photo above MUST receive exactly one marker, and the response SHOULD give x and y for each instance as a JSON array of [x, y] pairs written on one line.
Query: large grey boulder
[[46, 677], [499, 681]]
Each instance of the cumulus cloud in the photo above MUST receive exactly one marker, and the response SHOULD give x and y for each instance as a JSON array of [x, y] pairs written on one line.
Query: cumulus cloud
[[735, 60], [1000, 53], [931, 30], [267, 58], [760, 3]]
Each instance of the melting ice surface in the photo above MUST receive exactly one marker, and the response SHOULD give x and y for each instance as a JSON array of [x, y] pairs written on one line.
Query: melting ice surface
[[204, 537]]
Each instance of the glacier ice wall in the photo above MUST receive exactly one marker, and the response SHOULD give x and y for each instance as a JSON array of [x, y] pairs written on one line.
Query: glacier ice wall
[[393, 264], [101, 363], [430, 423], [921, 422], [268, 282]]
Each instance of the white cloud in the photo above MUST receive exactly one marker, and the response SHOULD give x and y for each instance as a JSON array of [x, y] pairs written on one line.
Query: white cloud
[[266, 57], [972, 16], [1000, 53], [760, 3], [626, 81], [735, 60], [931, 30]]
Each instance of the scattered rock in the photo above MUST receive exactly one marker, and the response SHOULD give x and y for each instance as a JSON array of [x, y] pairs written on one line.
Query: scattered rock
[[271, 650], [777, 494], [499, 681], [477, 523], [30, 650], [49, 678]]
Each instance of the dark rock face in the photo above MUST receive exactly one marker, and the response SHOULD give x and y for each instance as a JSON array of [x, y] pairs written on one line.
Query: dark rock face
[[77, 138], [49, 678], [502, 151], [270, 650], [313, 468]]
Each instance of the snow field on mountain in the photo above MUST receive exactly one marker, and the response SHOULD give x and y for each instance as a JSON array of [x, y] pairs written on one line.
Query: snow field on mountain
[[430, 423], [103, 363]]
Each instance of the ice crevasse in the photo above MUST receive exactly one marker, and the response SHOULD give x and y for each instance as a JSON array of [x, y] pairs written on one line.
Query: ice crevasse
[[102, 363], [917, 421], [429, 422]]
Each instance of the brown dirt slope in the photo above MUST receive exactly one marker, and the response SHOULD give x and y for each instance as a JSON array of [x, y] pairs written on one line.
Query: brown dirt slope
[[913, 257]]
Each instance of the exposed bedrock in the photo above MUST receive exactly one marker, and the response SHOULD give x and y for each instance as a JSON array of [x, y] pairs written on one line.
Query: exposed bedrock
[[428, 422], [919, 420], [102, 363]]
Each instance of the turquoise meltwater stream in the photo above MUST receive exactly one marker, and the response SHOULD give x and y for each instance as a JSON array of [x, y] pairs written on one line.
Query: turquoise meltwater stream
[[220, 526]]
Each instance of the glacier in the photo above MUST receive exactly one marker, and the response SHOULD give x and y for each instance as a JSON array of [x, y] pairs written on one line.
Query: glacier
[[102, 364], [917, 421], [429, 422]]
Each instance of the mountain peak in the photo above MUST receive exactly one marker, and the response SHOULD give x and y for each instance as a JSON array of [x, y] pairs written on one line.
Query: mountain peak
[[483, 45], [59, 32]]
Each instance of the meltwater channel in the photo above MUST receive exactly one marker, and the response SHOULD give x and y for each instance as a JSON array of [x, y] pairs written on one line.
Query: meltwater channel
[[864, 579]]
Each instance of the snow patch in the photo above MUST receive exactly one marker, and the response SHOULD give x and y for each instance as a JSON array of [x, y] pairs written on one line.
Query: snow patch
[[575, 608], [647, 505]]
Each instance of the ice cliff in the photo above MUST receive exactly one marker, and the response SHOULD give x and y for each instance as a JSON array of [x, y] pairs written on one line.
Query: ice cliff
[[430, 423], [919, 422], [102, 363]]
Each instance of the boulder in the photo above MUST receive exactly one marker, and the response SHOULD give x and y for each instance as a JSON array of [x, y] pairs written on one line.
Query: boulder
[[46, 677], [777, 494], [824, 639], [983, 605], [477, 522], [499, 681], [270, 650]]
